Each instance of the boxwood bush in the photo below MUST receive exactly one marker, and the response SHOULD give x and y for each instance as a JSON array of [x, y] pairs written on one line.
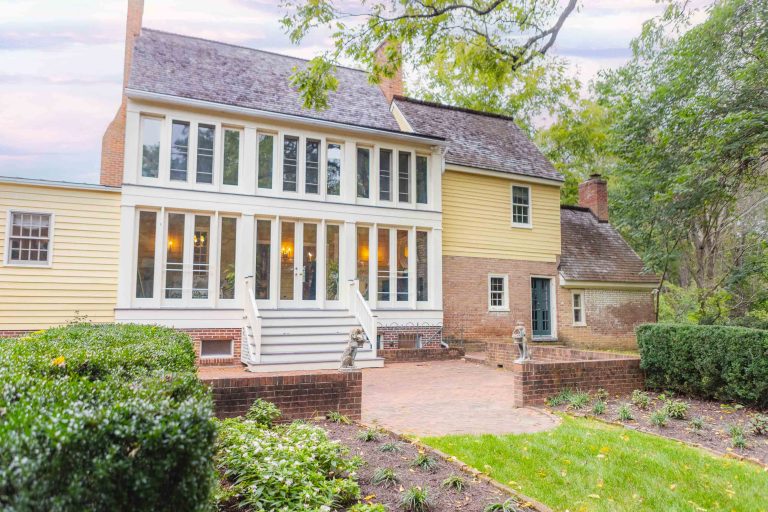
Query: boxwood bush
[[108, 417], [708, 361]]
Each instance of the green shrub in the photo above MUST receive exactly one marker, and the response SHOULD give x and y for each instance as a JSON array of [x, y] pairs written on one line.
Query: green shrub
[[659, 418], [385, 477], [511, 505], [563, 397], [676, 409], [599, 408], [641, 399], [579, 400], [424, 461], [368, 507], [697, 424], [264, 413], [390, 448], [416, 499], [368, 435], [759, 424], [337, 417], [455, 482], [602, 395], [625, 413], [708, 361]]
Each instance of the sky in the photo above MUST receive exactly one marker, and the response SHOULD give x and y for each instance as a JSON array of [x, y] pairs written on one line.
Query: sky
[[61, 65]]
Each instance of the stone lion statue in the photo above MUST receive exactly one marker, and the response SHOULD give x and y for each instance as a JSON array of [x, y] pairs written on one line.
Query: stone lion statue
[[357, 339]]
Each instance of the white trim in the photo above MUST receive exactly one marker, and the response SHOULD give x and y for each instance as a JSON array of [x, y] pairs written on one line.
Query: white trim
[[8, 230], [504, 307], [606, 285], [581, 308], [501, 174], [524, 225], [402, 121], [57, 184]]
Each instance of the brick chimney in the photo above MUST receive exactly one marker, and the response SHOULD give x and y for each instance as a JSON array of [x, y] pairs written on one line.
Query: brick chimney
[[593, 194], [393, 86], [113, 142]]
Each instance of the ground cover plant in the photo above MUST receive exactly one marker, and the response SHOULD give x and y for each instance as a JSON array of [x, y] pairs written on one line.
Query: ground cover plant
[[584, 464]]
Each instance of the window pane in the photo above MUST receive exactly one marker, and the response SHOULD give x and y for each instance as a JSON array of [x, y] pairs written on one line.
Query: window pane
[[497, 291], [332, 262], [384, 265], [287, 246], [520, 205], [385, 175], [266, 160], [421, 179], [29, 237], [290, 162], [150, 144], [205, 136], [228, 251], [334, 169], [363, 255], [201, 256], [402, 265], [404, 177], [363, 172], [145, 256], [179, 150], [309, 269], [422, 266], [174, 264], [312, 167], [263, 258], [231, 156]]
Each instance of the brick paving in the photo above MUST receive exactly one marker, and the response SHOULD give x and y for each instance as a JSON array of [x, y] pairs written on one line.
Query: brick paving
[[447, 397]]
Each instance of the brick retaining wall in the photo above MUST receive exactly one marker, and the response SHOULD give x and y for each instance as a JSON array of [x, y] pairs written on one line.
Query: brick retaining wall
[[406, 355], [13, 334]]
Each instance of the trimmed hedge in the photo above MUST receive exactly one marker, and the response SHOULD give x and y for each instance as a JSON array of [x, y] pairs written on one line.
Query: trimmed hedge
[[708, 361], [107, 417]]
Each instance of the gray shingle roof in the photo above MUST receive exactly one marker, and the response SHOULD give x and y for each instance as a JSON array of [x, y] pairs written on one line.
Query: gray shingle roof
[[199, 69], [478, 139], [595, 251]]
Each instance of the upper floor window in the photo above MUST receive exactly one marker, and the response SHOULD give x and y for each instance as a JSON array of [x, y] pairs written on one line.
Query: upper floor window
[[404, 177], [179, 150], [150, 146], [385, 175], [333, 185], [498, 294], [312, 167], [363, 172], [266, 156], [421, 179], [205, 137], [521, 206], [290, 163], [231, 156], [29, 239]]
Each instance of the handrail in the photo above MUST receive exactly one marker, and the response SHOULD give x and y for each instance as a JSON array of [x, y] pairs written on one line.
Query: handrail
[[359, 307], [254, 321]]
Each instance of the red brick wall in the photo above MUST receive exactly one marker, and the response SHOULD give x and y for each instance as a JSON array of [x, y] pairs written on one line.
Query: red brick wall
[[404, 355], [593, 194], [228, 334], [431, 335], [465, 297], [13, 334], [299, 395]]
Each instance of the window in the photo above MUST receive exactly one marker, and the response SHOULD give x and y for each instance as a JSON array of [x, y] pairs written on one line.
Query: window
[[385, 175], [145, 255], [179, 150], [363, 257], [290, 163], [384, 265], [422, 267], [227, 257], [332, 262], [521, 206], [578, 309], [205, 136], [29, 242], [312, 167], [263, 258], [334, 169], [498, 295], [266, 159], [421, 179], [174, 258], [404, 177], [231, 156], [201, 256], [287, 270], [402, 265], [363, 172], [150, 146]]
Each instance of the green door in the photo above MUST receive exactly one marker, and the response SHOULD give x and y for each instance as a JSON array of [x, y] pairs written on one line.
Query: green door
[[540, 307]]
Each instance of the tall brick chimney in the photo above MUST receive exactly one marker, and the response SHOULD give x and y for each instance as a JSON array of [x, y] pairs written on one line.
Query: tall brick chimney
[[593, 194], [393, 86], [113, 142]]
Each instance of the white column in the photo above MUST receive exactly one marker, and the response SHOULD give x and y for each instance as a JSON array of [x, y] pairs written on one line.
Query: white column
[[349, 171], [348, 263], [412, 267], [373, 279], [274, 263], [247, 178], [436, 269], [245, 262], [127, 268], [320, 262], [132, 143]]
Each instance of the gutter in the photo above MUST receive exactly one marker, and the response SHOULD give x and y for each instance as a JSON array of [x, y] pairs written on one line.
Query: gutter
[[57, 184], [606, 285]]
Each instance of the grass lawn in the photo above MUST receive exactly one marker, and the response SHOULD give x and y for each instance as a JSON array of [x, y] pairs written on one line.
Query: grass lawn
[[585, 465]]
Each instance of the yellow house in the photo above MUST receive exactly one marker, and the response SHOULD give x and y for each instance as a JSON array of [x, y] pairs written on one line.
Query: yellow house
[[59, 253]]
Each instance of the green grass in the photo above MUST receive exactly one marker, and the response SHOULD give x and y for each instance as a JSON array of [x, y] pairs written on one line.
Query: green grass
[[587, 466]]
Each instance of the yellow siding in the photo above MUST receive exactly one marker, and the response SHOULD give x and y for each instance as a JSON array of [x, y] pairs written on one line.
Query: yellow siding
[[83, 274], [477, 219]]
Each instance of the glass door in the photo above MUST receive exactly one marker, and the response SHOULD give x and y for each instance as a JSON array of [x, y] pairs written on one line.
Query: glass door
[[298, 264], [540, 307]]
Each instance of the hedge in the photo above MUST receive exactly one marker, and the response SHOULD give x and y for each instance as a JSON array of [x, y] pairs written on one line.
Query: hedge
[[109, 417], [707, 361]]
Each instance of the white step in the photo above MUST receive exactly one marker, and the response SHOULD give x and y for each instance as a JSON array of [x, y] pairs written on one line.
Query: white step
[[307, 356], [303, 313], [309, 338], [342, 330], [329, 346], [287, 321], [316, 365]]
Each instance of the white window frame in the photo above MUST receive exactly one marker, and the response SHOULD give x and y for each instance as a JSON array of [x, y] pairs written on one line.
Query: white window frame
[[8, 232], [583, 321], [514, 224], [505, 305]]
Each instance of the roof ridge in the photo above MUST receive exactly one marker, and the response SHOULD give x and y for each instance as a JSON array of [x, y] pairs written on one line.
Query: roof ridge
[[233, 45], [453, 107]]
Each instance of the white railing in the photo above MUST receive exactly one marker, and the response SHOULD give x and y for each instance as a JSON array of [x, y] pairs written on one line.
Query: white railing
[[253, 325], [358, 307]]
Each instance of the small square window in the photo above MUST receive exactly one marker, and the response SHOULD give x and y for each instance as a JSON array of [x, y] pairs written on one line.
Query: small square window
[[498, 293], [521, 206], [29, 240]]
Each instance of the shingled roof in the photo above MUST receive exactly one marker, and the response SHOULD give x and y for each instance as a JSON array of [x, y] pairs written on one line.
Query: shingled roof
[[200, 69], [595, 251], [478, 139]]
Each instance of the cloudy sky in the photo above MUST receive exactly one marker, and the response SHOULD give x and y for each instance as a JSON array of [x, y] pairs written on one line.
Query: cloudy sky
[[61, 65]]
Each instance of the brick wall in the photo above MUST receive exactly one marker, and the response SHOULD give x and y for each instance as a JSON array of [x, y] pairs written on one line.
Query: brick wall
[[465, 297], [299, 395], [405, 355], [13, 334], [229, 334], [391, 335], [593, 194], [611, 318]]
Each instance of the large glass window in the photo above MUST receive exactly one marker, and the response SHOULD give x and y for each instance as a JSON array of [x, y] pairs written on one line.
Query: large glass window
[[287, 246], [266, 159], [206, 134], [150, 146], [333, 186], [422, 181], [231, 156], [422, 266], [30, 238], [312, 167], [227, 257], [363, 172], [145, 255], [332, 262], [201, 256], [521, 202], [384, 265], [263, 258], [404, 177], [363, 258], [174, 258], [402, 265], [290, 162], [179, 150], [385, 175]]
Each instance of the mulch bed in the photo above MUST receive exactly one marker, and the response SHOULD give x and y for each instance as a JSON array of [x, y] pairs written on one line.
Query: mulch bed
[[717, 417], [474, 498]]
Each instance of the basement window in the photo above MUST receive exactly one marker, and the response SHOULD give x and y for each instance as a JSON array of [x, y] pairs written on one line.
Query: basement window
[[216, 348]]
